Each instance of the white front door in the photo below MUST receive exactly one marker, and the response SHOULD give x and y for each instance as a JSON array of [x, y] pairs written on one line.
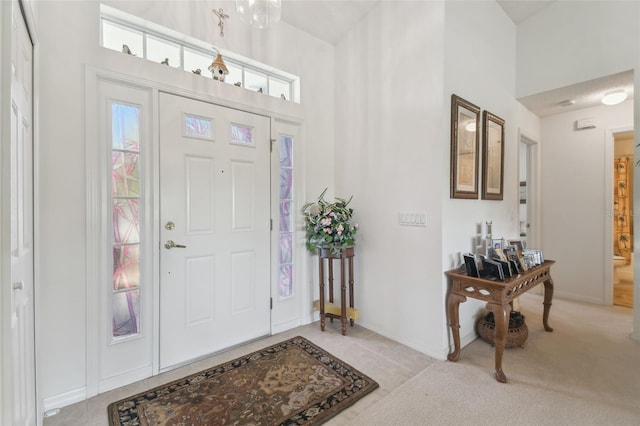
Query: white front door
[[18, 371], [215, 228]]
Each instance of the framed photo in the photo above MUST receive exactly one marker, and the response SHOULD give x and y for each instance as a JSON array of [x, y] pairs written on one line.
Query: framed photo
[[492, 156], [465, 122], [518, 244], [497, 243]]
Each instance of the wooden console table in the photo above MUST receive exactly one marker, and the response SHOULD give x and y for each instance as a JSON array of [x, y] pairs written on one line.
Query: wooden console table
[[499, 296], [328, 309]]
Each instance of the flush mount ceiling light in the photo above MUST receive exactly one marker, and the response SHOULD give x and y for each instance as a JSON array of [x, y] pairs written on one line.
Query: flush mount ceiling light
[[259, 13], [614, 98], [470, 126]]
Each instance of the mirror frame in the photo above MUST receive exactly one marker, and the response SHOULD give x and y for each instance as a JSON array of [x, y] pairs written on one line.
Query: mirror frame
[[468, 190], [492, 164]]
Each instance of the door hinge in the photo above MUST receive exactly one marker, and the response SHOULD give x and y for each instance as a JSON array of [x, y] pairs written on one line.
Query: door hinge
[[271, 303], [271, 224], [271, 145]]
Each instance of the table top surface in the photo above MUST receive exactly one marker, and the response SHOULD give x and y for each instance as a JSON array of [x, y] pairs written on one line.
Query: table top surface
[[461, 273]]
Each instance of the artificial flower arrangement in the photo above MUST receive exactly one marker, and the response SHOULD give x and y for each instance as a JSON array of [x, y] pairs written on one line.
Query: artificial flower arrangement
[[329, 224]]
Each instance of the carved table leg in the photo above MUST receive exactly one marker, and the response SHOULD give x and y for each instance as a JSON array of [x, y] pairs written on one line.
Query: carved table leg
[[321, 269], [453, 307], [501, 315], [548, 295]]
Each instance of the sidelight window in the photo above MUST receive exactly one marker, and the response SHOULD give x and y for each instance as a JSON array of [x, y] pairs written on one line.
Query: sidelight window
[[286, 227], [125, 226]]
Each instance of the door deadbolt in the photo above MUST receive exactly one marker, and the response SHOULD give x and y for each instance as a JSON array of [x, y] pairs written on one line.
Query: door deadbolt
[[169, 226], [170, 244]]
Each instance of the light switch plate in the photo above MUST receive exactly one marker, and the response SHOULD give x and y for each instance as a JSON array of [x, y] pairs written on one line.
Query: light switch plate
[[412, 218]]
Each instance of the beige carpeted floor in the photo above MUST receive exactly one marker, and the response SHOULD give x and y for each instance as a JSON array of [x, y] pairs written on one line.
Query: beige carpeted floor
[[586, 372]]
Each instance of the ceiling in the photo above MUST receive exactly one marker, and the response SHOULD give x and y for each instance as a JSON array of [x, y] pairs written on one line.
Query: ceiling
[[519, 10], [330, 20]]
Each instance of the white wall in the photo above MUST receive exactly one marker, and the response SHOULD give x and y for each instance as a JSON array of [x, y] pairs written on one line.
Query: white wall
[[395, 75], [571, 42], [389, 122], [480, 67], [576, 208], [69, 34]]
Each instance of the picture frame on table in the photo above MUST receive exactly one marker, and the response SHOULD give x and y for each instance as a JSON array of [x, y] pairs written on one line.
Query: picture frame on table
[[497, 243], [519, 244], [471, 266], [465, 148]]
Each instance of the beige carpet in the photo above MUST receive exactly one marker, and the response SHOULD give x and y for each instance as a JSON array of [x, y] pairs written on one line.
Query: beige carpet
[[586, 372]]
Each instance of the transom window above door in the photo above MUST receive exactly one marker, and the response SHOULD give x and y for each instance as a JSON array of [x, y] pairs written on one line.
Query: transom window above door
[[132, 35]]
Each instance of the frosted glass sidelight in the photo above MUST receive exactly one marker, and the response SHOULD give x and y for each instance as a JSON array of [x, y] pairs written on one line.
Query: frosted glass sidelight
[[125, 127], [285, 148], [125, 213], [126, 267], [286, 181], [125, 176], [126, 313], [126, 223], [286, 280], [285, 152], [286, 218], [286, 248]]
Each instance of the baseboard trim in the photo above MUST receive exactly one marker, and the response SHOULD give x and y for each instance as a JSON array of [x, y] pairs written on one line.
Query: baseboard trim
[[286, 325], [124, 379], [64, 399]]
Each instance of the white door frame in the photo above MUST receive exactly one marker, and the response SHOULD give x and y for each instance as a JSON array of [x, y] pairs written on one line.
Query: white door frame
[[292, 114], [533, 188], [609, 145]]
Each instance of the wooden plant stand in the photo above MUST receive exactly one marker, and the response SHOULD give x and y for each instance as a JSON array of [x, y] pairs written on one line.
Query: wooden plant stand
[[329, 310]]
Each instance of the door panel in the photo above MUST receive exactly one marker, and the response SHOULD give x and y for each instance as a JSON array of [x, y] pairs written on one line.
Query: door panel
[[214, 189], [18, 369]]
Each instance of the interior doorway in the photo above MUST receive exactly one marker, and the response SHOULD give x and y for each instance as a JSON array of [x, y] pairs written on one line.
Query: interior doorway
[[528, 186], [623, 223]]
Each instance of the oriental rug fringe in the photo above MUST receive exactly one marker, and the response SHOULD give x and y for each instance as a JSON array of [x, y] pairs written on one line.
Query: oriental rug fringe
[[291, 383]]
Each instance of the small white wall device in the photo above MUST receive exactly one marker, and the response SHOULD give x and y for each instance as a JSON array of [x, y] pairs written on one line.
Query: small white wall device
[[585, 123]]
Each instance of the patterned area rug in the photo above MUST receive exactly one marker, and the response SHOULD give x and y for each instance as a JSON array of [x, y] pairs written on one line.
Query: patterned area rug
[[291, 383]]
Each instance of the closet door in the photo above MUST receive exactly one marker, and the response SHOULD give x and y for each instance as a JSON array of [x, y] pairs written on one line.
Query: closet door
[[18, 371]]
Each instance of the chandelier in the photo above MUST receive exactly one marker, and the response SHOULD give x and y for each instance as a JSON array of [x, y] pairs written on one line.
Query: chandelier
[[259, 13]]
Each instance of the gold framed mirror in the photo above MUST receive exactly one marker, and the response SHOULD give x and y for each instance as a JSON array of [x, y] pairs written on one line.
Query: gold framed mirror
[[492, 156], [465, 120]]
